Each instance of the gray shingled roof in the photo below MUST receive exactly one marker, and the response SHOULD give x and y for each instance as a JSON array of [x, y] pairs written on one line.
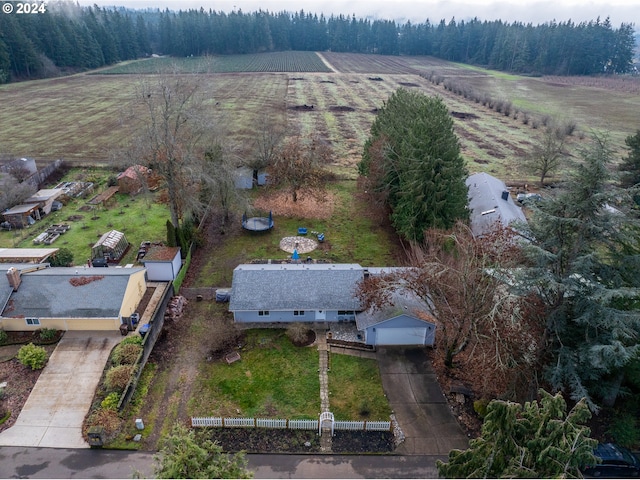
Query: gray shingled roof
[[487, 206], [403, 302], [295, 287], [49, 294]]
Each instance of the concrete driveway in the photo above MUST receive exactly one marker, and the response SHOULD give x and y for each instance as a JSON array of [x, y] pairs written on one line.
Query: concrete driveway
[[420, 407], [54, 413]]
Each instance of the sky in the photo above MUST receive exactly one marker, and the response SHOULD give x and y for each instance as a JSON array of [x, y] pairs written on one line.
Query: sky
[[417, 11]]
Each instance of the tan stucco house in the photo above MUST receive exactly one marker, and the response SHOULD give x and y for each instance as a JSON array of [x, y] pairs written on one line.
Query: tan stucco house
[[68, 298]]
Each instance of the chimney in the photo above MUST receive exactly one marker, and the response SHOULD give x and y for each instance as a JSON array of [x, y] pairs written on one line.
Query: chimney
[[505, 195], [13, 275]]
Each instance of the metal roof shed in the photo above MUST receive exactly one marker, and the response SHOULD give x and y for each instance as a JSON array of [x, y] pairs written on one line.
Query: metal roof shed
[[111, 246]]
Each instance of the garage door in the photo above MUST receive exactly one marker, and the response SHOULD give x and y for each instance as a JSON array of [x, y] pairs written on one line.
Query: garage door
[[401, 336]]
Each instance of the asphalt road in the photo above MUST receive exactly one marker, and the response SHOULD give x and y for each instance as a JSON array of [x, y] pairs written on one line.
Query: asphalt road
[[35, 462]]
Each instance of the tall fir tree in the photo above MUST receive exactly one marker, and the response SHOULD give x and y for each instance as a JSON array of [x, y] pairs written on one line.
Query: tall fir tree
[[417, 153], [580, 268]]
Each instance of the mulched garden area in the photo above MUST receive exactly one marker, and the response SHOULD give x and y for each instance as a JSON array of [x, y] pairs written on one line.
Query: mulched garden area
[[258, 440], [20, 379]]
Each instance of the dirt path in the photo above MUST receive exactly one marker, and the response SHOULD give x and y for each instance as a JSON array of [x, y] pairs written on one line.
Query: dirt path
[[326, 62], [179, 352]]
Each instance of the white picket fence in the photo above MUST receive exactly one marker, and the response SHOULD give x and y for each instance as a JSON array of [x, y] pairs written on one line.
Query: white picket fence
[[381, 426]]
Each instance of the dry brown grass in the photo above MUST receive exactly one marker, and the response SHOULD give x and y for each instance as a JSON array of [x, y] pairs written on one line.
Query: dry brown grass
[[307, 206]]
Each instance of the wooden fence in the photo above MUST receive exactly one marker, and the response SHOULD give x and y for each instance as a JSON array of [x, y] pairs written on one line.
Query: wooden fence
[[380, 426]]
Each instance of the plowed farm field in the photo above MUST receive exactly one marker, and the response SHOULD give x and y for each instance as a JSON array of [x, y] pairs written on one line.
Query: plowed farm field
[[89, 118]]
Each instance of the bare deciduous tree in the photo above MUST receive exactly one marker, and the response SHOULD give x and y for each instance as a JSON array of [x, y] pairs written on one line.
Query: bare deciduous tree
[[299, 166], [477, 321], [175, 124], [219, 187], [12, 192], [266, 147], [547, 156]]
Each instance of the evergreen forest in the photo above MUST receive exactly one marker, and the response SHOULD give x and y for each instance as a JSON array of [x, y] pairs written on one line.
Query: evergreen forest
[[68, 38]]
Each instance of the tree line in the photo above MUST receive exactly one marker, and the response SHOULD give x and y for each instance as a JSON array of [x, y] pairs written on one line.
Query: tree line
[[68, 36]]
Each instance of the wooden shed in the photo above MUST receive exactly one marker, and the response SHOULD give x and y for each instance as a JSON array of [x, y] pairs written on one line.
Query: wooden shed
[[22, 215], [133, 179], [112, 246], [44, 198]]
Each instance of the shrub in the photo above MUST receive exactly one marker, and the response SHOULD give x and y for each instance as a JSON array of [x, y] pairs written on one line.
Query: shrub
[[118, 377], [63, 258], [624, 430], [3, 337], [126, 353], [32, 356], [111, 401], [297, 332], [47, 334], [569, 128], [108, 419], [132, 340], [480, 407]]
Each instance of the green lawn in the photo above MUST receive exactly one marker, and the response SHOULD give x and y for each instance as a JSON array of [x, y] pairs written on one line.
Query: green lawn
[[140, 218], [273, 379], [356, 389], [351, 238]]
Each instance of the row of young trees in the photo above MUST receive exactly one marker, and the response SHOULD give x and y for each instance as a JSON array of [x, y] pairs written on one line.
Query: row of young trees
[[68, 36]]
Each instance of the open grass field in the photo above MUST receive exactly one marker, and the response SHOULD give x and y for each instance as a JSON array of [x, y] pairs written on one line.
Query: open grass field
[[86, 118]]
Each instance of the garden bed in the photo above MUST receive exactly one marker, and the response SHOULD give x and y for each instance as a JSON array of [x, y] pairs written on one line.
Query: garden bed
[[258, 440]]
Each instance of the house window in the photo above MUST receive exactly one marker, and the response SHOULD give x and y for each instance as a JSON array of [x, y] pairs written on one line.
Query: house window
[[263, 313], [298, 313], [346, 312], [33, 321]]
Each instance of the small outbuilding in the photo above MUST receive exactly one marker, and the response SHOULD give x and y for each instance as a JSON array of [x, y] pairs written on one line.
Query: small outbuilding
[[23, 215], [244, 178], [162, 263], [44, 198], [112, 246], [133, 179]]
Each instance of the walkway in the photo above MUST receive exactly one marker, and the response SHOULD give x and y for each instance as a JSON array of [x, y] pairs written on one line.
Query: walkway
[[323, 354], [54, 412]]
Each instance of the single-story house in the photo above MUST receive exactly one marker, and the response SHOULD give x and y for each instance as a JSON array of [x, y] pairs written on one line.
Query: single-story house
[[133, 179], [325, 293], [44, 198], [295, 292], [68, 298], [490, 204], [22, 215], [162, 263]]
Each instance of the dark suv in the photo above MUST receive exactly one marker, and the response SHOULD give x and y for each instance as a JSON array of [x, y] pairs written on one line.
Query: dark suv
[[616, 462]]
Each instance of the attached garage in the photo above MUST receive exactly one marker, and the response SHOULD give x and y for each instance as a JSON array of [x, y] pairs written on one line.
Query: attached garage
[[400, 330]]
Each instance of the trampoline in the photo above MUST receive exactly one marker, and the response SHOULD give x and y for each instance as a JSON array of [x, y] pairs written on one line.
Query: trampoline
[[257, 224]]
